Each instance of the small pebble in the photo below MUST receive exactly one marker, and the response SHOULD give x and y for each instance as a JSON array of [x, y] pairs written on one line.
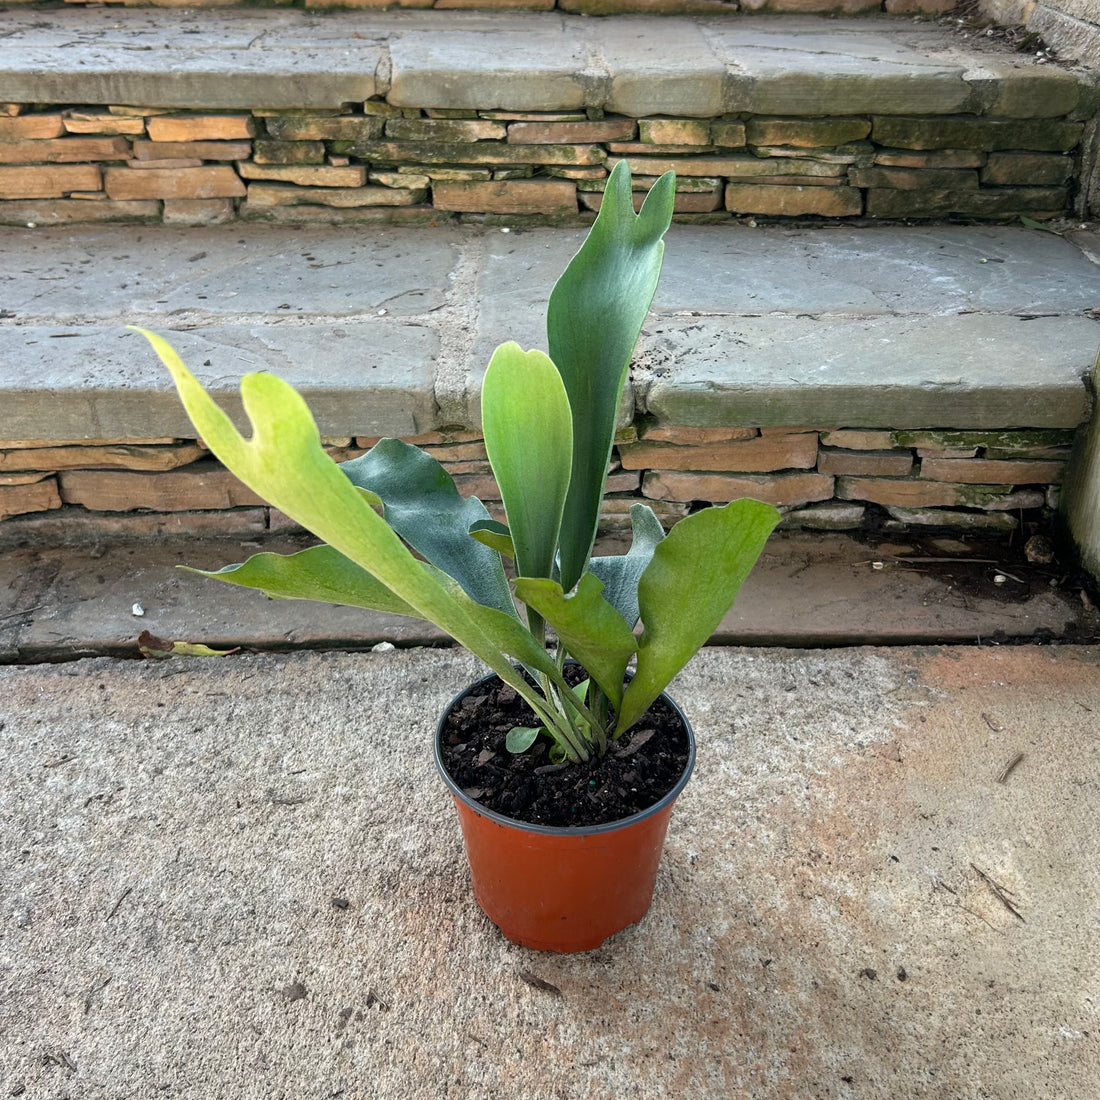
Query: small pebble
[[137, 610]]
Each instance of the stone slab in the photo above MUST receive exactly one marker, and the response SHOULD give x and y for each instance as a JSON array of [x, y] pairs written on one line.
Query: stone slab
[[542, 61], [976, 370], [807, 589], [429, 306], [259, 845], [369, 377], [874, 271]]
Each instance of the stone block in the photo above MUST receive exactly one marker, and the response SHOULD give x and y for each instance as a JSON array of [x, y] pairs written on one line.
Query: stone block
[[694, 437], [1027, 170], [507, 197], [686, 202], [39, 496], [202, 487], [947, 452], [779, 489], [764, 453], [649, 7], [927, 494], [75, 211], [45, 181], [858, 439], [490, 5], [461, 68], [202, 150], [566, 173], [732, 167], [208, 182], [550, 133], [1007, 440], [308, 175], [200, 127], [119, 456], [812, 132], [673, 131], [420, 153], [987, 471], [866, 463], [857, 152], [22, 127], [318, 214], [727, 135], [915, 179], [198, 211], [673, 73], [101, 122], [832, 516], [932, 158], [639, 148], [1037, 202], [287, 152], [984, 134], [283, 194], [793, 201], [1015, 91], [417, 129], [325, 128], [64, 150], [952, 518], [400, 179]]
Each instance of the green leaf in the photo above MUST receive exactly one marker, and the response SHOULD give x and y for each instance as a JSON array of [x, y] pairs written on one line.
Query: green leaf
[[689, 585], [620, 573], [596, 312], [423, 506], [319, 573], [529, 439], [587, 625], [494, 535], [521, 738], [284, 462]]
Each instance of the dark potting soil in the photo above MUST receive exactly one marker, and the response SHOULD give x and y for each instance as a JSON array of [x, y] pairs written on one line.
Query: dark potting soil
[[637, 772]]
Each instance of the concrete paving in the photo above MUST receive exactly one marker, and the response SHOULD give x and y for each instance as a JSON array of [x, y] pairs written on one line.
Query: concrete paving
[[241, 878], [388, 330], [634, 65]]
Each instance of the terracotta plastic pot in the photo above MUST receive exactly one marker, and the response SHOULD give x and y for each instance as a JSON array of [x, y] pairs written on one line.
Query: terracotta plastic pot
[[562, 889]]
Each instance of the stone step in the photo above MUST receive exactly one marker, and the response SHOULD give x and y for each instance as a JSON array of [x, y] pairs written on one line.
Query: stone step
[[460, 114], [388, 331]]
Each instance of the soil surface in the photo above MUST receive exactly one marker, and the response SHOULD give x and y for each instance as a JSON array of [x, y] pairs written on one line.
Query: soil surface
[[637, 772]]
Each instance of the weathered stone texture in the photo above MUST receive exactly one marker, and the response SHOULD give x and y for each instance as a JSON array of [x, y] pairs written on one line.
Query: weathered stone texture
[[308, 175], [117, 456], [64, 150], [23, 127], [201, 127], [793, 201], [985, 471], [929, 494], [208, 182], [507, 196], [450, 130], [203, 150], [915, 179], [282, 194], [201, 487], [993, 203], [818, 132], [265, 151], [1027, 169], [985, 134], [39, 496], [866, 463], [761, 454], [47, 181], [780, 489]]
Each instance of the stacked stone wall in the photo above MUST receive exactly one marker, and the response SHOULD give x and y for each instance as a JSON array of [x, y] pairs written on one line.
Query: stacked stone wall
[[824, 479], [382, 163], [578, 7]]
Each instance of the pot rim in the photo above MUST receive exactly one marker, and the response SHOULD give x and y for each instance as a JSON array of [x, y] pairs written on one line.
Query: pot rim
[[560, 830]]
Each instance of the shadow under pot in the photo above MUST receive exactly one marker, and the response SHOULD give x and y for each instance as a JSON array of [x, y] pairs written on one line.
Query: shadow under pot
[[559, 887]]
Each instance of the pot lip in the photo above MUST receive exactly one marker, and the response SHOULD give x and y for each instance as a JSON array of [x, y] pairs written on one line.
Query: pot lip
[[560, 830]]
